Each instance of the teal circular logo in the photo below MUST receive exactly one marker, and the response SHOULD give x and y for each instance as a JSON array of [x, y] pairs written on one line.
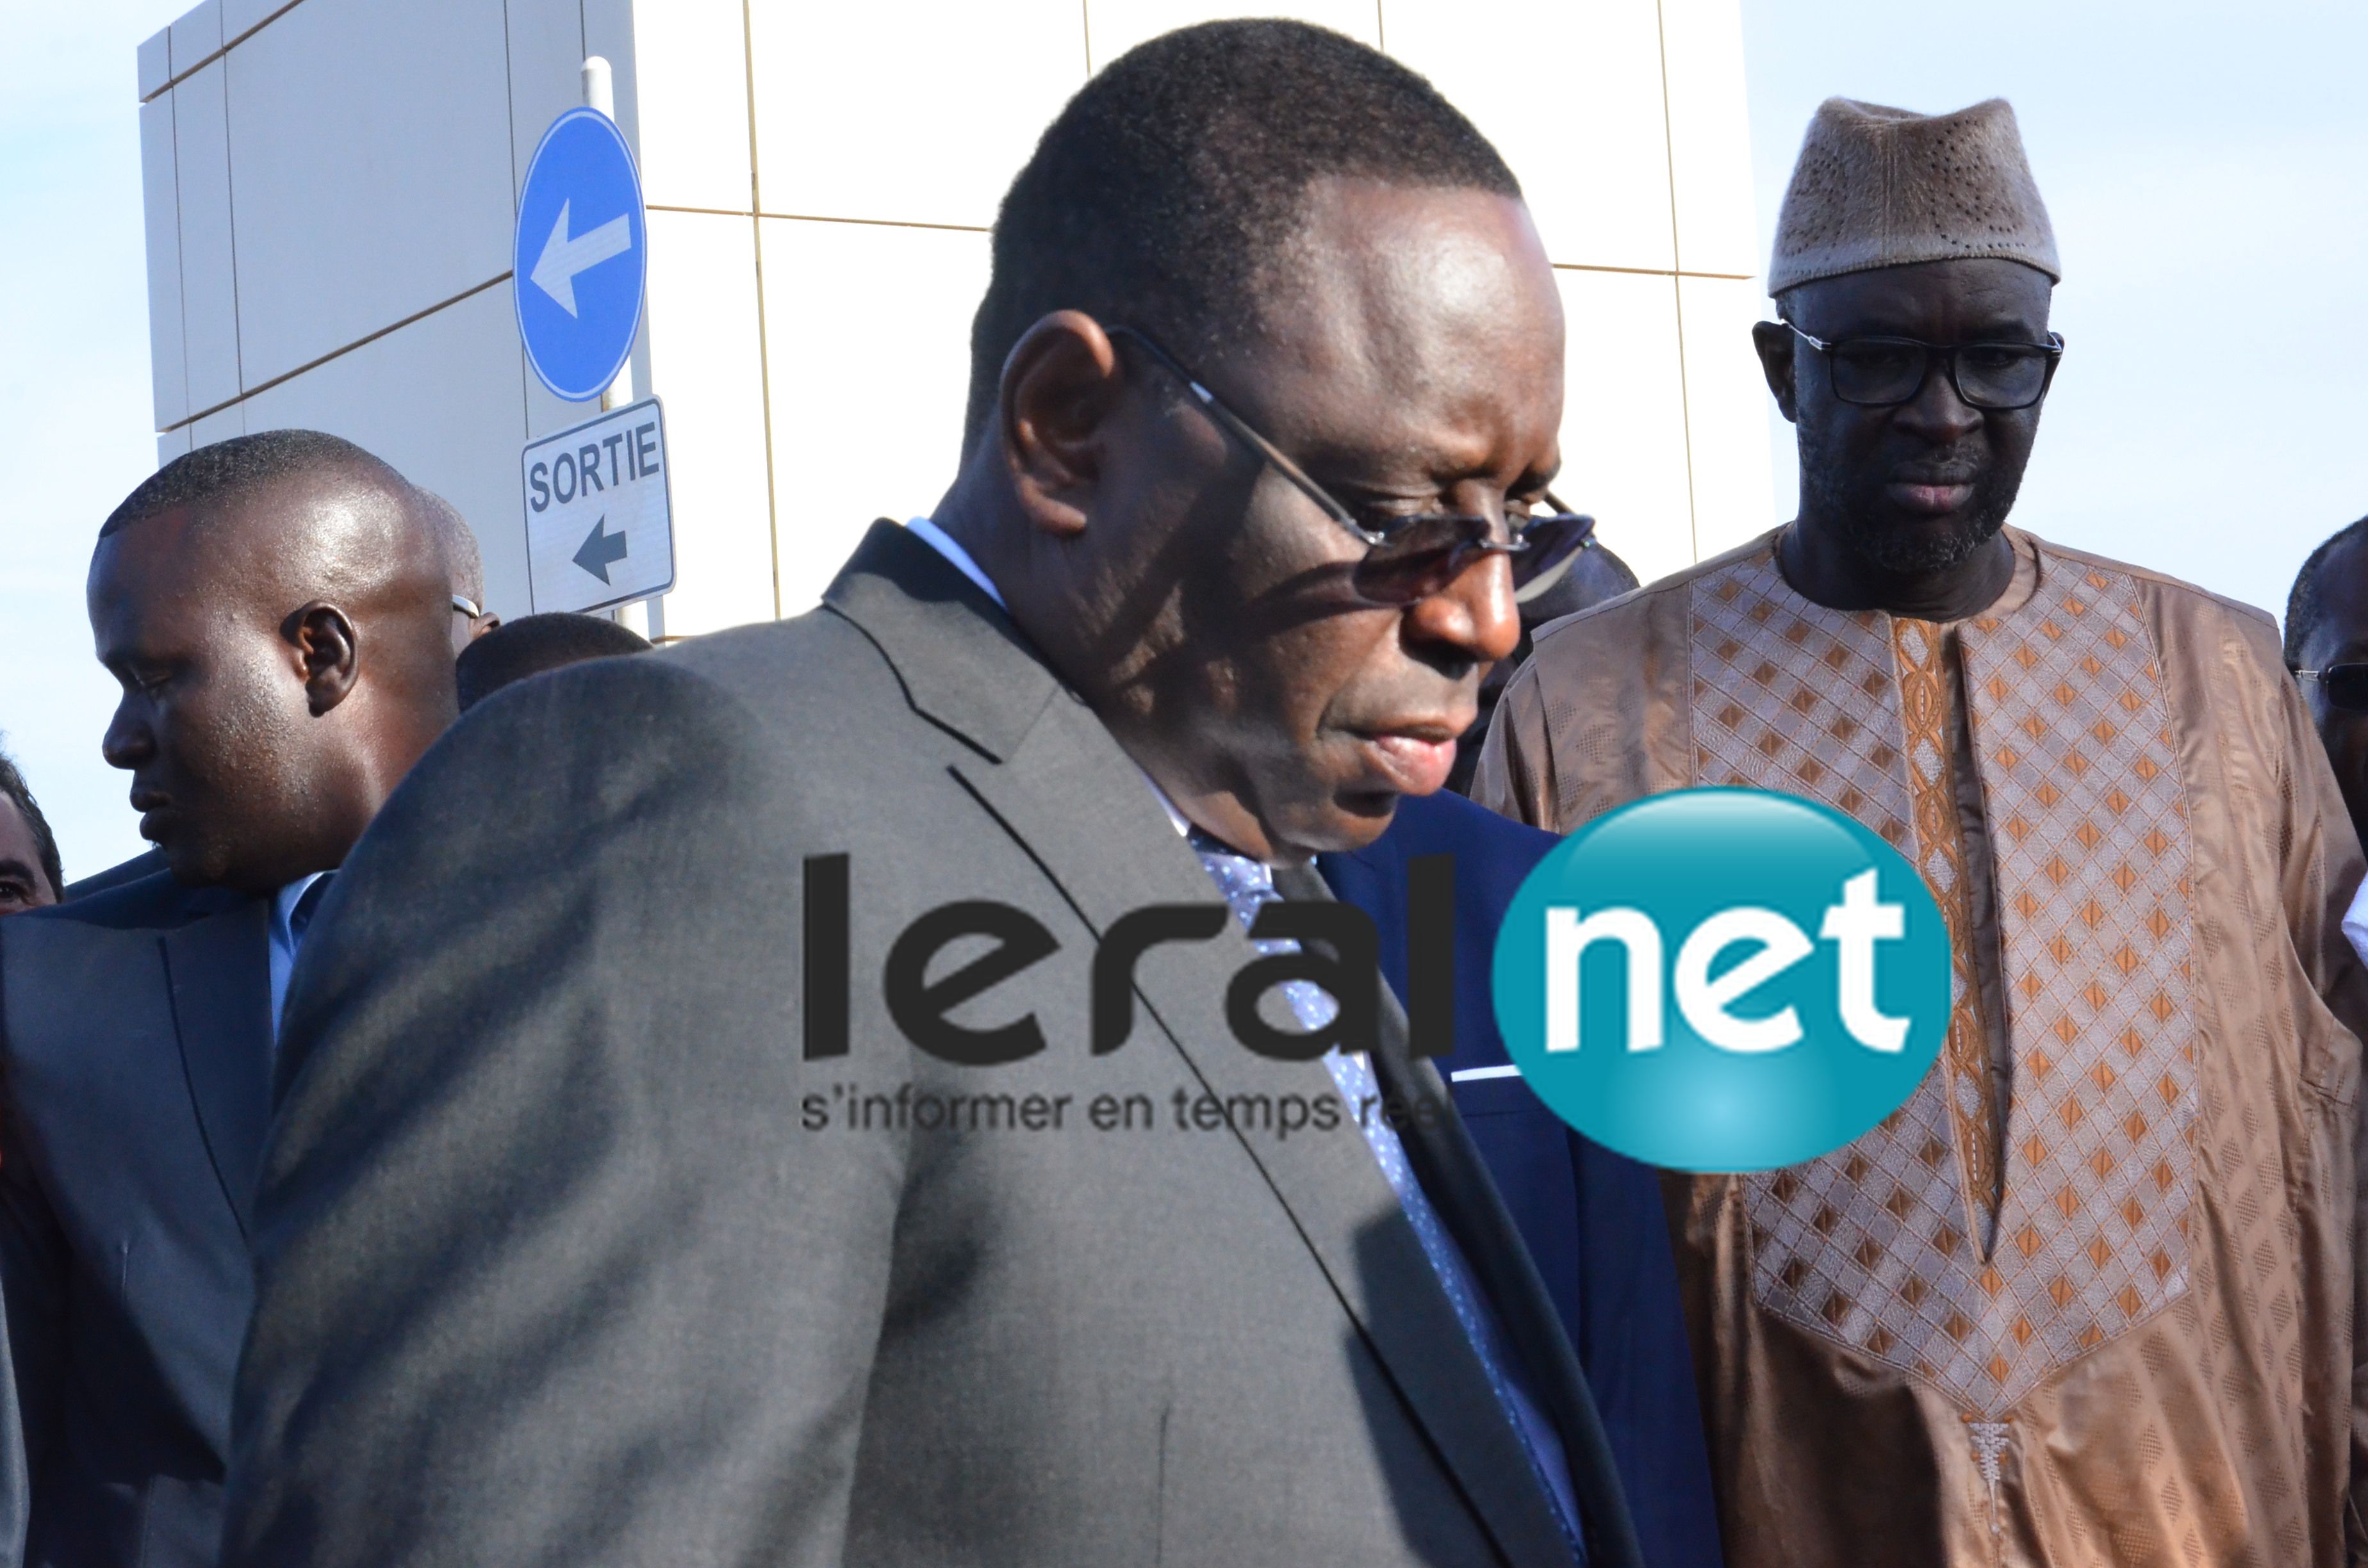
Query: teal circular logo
[[1723, 980]]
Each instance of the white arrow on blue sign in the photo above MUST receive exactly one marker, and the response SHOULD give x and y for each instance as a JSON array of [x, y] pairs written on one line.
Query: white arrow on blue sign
[[581, 255]]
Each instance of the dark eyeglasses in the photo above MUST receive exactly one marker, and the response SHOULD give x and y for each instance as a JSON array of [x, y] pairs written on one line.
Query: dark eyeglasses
[[2346, 685], [1881, 372], [1407, 559], [465, 605]]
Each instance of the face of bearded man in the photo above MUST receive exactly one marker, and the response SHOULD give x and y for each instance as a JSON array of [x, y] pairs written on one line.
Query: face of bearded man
[[1915, 488]]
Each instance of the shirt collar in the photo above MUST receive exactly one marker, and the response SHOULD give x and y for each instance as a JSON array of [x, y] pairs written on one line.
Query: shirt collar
[[937, 539], [283, 904]]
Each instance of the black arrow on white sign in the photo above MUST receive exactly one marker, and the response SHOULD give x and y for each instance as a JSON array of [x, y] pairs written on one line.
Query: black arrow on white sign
[[600, 549]]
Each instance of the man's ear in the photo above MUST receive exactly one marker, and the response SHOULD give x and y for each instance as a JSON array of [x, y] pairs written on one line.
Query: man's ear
[[1773, 342], [323, 638], [1061, 384]]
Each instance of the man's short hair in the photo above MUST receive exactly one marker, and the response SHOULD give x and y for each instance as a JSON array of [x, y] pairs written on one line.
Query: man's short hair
[[242, 465], [527, 646], [18, 793], [2305, 606], [1163, 192]]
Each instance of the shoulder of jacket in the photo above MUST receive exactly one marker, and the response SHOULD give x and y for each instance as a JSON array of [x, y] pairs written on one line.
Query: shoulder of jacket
[[155, 902]]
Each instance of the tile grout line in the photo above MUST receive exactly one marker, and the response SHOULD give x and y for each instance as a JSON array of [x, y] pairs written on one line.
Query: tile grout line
[[526, 371], [764, 348], [983, 228], [230, 193], [1677, 279], [173, 79], [818, 218], [286, 376], [180, 264]]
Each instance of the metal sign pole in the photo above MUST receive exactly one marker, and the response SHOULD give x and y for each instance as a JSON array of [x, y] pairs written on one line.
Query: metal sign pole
[[646, 617]]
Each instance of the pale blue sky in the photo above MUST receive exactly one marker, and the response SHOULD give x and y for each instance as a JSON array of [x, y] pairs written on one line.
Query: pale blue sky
[[2201, 162]]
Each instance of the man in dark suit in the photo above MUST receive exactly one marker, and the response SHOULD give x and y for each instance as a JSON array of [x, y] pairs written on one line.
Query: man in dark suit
[[276, 614], [1593, 1219], [147, 863], [738, 1167]]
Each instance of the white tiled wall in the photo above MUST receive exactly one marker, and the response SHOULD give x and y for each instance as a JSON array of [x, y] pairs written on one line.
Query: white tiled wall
[[693, 66], [903, 112], [1709, 137], [708, 363], [1623, 422], [863, 428], [821, 178], [160, 210], [208, 269], [371, 143], [1584, 133], [1726, 412]]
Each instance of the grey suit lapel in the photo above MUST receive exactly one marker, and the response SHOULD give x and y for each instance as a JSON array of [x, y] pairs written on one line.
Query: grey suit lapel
[[218, 970], [1053, 778]]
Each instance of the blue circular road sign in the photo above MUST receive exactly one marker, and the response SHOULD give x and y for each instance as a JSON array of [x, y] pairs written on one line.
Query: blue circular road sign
[[581, 255]]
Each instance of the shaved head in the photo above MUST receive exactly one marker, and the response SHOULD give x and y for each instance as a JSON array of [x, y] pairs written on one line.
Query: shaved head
[[467, 566], [277, 609]]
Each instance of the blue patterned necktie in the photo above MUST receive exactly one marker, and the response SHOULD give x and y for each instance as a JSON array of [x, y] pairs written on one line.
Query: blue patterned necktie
[[1247, 884]]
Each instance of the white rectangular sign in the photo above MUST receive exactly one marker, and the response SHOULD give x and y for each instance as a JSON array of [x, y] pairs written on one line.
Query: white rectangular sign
[[599, 526]]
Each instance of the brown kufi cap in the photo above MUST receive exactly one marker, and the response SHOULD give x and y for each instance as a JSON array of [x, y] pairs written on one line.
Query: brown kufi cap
[[1877, 186]]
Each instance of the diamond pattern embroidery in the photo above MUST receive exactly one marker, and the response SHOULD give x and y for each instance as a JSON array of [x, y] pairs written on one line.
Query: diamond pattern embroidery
[[2079, 761], [1870, 1246]]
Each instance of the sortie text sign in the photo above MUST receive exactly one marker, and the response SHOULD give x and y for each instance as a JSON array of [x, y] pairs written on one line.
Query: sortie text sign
[[599, 527]]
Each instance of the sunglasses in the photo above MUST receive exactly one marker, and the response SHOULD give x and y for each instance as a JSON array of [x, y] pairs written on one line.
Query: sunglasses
[[1407, 559], [2346, 685]]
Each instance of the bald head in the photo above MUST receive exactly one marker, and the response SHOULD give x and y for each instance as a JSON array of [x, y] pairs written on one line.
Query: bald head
[[277, 609], [467, 566]]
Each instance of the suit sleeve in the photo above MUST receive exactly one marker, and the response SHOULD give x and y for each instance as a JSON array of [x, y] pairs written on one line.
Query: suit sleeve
[[544, 1272], [32, 1283]]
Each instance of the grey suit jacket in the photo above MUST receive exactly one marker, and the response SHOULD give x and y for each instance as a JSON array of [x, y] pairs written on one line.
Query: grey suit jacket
[[135, 1047], [572, 1249]]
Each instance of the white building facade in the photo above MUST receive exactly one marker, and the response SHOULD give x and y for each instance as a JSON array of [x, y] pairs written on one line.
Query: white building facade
[[331, 187]]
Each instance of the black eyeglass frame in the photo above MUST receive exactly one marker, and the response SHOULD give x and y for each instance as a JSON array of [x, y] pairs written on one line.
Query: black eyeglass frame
[[2351, 671], [1946, 354], [1514, 545]]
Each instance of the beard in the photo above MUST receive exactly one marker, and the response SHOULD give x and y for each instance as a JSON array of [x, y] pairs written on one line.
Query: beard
[[1864, 519]]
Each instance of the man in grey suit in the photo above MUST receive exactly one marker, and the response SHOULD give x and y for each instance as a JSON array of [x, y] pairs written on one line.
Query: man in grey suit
[[691, 1149], [278, 616]]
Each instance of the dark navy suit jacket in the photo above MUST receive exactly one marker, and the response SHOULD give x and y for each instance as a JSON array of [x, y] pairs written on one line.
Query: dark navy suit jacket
[[1593, 1219], [135, 1047]]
